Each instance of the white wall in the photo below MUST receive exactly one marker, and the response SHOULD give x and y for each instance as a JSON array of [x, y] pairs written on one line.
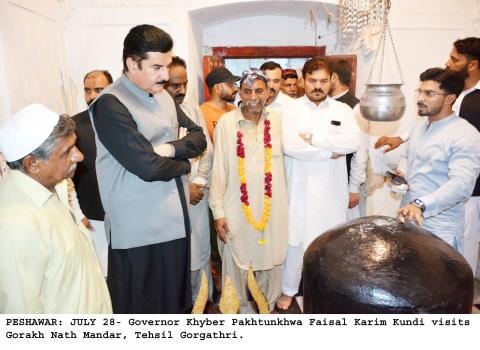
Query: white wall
[[30, 55], [47, 46]]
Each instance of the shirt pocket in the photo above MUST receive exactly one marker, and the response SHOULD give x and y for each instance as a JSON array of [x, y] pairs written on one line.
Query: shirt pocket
[[335, 127]]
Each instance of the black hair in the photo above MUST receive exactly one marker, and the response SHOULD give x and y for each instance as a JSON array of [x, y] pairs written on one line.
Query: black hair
[[451, 82], [270, 65], [343, 69], [178, 61], [106, 74], [315, 63], [469, 47], [142, 39]]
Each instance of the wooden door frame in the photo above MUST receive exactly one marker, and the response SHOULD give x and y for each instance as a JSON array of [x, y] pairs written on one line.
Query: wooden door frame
[[220, 53]]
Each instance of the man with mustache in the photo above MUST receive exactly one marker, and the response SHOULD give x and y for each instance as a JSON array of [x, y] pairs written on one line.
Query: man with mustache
[[140, 164], [89, 206], [316, 132], [465, 59], [277, 101], [47, 259], [199, 179], [248, 195], [442, 159], [221, 84]]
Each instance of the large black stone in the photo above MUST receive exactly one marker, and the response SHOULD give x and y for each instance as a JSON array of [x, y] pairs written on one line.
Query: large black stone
[[377, 264]]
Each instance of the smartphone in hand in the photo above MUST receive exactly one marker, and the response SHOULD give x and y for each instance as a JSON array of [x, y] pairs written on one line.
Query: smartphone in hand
[[396, 179]]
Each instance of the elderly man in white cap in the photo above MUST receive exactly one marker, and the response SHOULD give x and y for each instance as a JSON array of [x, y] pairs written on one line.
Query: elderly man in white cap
[[47, 260]]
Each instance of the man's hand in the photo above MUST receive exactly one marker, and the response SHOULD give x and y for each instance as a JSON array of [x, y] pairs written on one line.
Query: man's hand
[[196, 193], [306, 137], [400, 173], [353, 199], [182, 132], [221, 228], [392, 142], [87, 224], [336, 155], [410, 212], [165, 150]]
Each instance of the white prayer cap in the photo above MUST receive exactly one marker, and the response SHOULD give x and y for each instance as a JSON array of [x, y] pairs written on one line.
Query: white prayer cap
[[26, 130]]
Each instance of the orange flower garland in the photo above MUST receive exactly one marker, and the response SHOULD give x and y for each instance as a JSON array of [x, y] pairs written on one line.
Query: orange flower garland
[[247, 211]]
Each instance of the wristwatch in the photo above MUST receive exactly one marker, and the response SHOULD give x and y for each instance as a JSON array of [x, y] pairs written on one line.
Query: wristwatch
[[419, 204]]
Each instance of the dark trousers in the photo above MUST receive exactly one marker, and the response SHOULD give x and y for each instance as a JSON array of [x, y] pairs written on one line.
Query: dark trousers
[[150, 279]]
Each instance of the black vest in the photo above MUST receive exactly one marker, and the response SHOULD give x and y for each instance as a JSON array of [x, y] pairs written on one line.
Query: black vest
[[470, 111], [352, 101], [85, 178]]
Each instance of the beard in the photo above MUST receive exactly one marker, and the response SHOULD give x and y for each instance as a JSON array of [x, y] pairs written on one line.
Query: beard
[[229, 97], [312, 95], [425, 112], [464, 72]]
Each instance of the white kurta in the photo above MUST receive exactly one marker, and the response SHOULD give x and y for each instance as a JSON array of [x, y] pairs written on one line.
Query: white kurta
[[200, 174], [281, 102], [317, 184], [225, 190]]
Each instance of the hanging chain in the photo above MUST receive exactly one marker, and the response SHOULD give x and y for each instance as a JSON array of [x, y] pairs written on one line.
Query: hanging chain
[[381, 47], [395, 53]]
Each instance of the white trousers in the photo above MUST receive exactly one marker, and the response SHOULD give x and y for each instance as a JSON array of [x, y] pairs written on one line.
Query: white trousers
[[353, 213], [471, 237], [101, 245], [292, 270], [196, 281]]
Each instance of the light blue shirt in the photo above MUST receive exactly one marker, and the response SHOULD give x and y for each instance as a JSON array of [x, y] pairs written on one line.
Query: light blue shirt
[[441, 163]]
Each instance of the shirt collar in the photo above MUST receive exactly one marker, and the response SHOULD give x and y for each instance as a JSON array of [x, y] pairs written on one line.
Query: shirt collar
[[336, 97], [241, 119], [441, 122], [324, 104], [32, 188], [134, 89]]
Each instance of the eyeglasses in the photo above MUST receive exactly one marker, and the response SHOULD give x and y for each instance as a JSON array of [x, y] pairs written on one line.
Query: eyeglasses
[[428, 93]]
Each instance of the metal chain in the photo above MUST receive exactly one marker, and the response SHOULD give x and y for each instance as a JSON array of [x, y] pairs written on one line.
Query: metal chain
[[381, 47], [396, 55]]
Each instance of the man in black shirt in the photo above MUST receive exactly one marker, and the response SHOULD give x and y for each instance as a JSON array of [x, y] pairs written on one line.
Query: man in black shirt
[[465, 58], [85, 178]]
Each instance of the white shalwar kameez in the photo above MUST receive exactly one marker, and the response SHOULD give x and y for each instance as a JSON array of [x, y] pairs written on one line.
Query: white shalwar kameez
[[317, 184], [199, 221]]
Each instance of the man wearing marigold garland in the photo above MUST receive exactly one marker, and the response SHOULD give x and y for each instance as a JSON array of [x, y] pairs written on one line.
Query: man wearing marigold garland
[[250, 210], [317, 131]]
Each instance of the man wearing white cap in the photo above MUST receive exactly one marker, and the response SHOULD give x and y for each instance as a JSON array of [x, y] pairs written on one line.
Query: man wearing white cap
[[47, 260]]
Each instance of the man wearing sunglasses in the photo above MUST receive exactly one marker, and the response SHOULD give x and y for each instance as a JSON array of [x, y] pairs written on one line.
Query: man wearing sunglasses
[[222, 88], [442, 159]]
